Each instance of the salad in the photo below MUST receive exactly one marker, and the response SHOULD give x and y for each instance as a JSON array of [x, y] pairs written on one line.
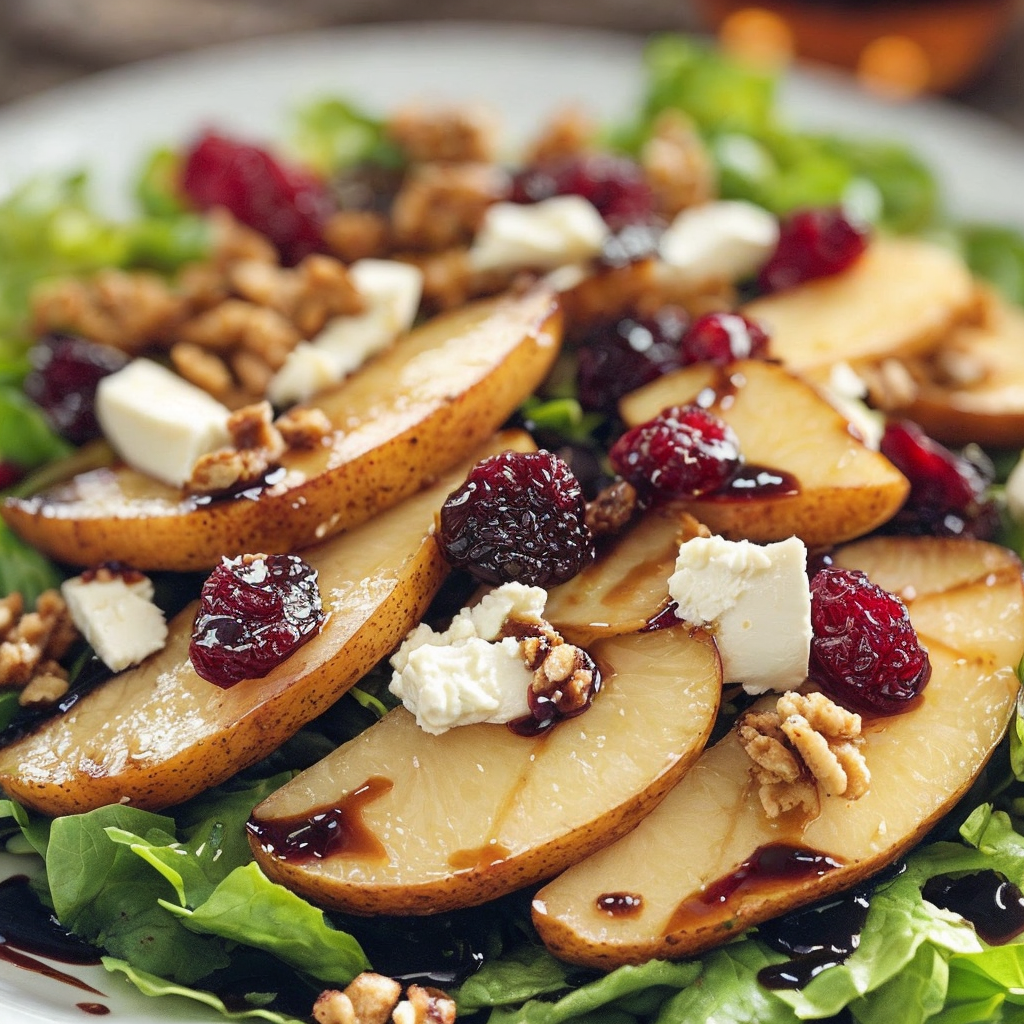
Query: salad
[[173, 895]]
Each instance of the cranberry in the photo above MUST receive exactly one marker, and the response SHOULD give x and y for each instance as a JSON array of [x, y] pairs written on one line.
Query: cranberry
[[519, 517], [287, 204], [722, 337], [10, 474], [685, 451], [65, 372], [947, 491], [864, 650], [812, 243], [254, 611], [616, 185], [617, 357]]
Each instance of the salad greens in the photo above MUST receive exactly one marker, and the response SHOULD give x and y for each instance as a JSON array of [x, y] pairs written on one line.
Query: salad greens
[[176, 900]]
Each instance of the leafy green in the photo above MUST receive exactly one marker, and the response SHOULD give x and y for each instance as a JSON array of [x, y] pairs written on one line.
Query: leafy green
[[152, 985], [331, 134], [24, 569], [996, 253]]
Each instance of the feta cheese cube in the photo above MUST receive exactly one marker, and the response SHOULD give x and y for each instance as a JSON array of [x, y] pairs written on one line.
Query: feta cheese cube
[[719, 241], [158, 422], [117, 618], [756, 600], [538, 236]]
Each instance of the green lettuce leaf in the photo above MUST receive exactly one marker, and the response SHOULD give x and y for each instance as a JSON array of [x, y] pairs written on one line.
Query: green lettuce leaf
[[152, 985], [23, 569], [331, 134]]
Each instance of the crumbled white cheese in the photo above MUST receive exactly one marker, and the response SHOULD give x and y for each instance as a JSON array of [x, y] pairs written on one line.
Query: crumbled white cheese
[[466, 675], [538, 236], [1015, 491], [756, 600], [391, 292], [158, 422], [117, 618], [845, 392], [719, 241]]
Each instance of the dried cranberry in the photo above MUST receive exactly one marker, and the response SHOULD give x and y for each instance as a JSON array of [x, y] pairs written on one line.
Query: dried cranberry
[[254, 611], [722, 337], [617, 357], [616, 185], [519, 517], [812, 243], [947, 491], [685, 451], [864, 650], [287, 204], [10, 474], [65, 372]]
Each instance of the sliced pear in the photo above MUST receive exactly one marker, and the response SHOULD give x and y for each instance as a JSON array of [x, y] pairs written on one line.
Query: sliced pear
[[157, 734], [405, 417], [627, 585], [712, 823], [971, 388], [898, 299], [453, 820], [844, 489]]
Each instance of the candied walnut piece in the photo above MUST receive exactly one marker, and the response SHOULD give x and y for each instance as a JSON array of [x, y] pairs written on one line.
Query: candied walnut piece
[[566, 678], [46, 687], [357, 234], [204, 368], [449, 280], [257, 445], [128, 310], [612, 509], [441, 205], [679, 167], [31, 644], [304, 427], [569, 133], [424, 1005], [368, 999], [806, 745], [463, 133]]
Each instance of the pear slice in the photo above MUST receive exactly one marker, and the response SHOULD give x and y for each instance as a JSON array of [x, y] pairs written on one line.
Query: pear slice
[[842, 489], [402, 419], [971, 388], [627, 585], [901, 297], [433, 823], [712, 823], [157, 733]]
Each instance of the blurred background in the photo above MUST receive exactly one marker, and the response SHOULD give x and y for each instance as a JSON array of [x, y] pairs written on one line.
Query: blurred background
[[970, 50]]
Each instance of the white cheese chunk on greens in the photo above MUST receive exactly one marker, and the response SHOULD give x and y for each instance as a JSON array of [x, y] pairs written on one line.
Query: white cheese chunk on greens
[[756, 600], [158, 422], [538, 236], [117, 617]]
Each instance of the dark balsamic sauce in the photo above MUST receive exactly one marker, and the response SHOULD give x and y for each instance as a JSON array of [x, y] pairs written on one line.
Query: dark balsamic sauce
[[326, 832], [988, 900], [767, 867], [28, 931], [620, 904], [752, 481], [251, 491]]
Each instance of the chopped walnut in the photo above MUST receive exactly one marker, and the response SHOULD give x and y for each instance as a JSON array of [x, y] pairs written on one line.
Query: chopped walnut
[[304, 427], [808, 744], [233, 240], [256, 446], [463, 133], [569, 133], [450, 281], [205, 369], [441, 205], [128, 310], [678, 165], [565, 677], [959, 365], [357, 234], [425, 1006], [31, 645], [612, 509]]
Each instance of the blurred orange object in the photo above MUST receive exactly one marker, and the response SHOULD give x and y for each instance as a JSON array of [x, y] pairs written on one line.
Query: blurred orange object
[[900, 47]]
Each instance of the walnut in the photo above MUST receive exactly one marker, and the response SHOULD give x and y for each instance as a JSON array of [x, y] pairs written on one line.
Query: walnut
[[441, 205], [31, 644], [204, 368], [368, 999], [569, 133], [334, 1007], [806, 746], [357, 234], [304, 427], [425, 1006], [236, 323], [450, 281], [233, 240], [257, 445], [565, 677], [612, 509], [679, 167], [128, 310], [463, 133]]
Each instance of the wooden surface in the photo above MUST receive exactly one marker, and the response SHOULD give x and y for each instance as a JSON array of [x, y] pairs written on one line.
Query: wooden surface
[[47, 42]]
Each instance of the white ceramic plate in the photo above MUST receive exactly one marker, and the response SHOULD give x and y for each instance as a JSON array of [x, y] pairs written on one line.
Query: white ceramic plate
[[107, 124]]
